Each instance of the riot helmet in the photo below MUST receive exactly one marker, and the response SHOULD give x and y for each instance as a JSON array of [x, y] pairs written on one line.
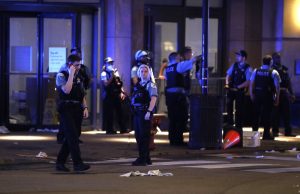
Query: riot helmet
[[109, 64], [142, 56]]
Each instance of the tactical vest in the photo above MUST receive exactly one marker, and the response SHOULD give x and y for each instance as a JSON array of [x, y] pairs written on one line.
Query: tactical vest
[[77, 92], [115, 87], [264, 85], [238, 75], [140, 95], [174, 79], [85, 76], [284, 76]]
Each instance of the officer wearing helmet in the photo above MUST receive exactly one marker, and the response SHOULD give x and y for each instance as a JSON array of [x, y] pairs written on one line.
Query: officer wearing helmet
[[113, 95], [286, 96], [141, 57]]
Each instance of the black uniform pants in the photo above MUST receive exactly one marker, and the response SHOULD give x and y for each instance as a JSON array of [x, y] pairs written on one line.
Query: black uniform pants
[[142, 129], [282, 111], [262, 114], [238, 97], [112, 105], [70, 118], [178, 116]]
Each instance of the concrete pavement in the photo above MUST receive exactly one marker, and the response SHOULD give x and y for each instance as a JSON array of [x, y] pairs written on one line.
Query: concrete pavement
[[271, 168]]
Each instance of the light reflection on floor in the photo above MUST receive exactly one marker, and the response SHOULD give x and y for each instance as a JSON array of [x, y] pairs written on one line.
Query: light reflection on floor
[[160, 137]]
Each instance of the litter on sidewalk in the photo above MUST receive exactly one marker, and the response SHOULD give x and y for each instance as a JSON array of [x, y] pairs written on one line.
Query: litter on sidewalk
[[149, 173], [41, 155]]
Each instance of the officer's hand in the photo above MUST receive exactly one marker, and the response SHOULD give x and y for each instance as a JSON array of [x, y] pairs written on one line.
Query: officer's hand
[[226, 87], [147, 116], [85, 113], [122, 96], [72, 70]]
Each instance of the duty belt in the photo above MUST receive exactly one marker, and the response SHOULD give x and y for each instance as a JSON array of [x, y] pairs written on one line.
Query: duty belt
[[140, 107]]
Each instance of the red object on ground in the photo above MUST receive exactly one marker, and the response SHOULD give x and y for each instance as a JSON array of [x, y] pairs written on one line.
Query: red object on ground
[[232, 138]]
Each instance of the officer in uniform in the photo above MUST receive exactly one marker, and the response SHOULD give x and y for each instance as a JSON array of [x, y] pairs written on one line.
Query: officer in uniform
[[113, 96], [264, 93], [176, 98], [237, 82], [286, 95], [141, 58], [143, 101], [86, 76], [72, 107]]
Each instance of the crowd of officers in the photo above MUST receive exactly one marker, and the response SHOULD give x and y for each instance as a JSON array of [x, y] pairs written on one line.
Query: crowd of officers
[[270, 91], [269, 87]]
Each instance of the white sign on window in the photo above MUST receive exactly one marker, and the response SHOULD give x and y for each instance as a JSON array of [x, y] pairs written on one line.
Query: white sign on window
[[57, 57]]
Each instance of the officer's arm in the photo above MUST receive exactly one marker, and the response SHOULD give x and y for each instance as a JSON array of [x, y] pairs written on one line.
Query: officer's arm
[[277, 81], [227, 81], [252, 85], [85, 108], [245, 84], [152, 103], [184, 66], [68, 86]]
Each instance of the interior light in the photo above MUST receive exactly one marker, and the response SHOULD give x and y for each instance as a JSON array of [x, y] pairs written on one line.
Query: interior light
[[26, 138], [296, 13]]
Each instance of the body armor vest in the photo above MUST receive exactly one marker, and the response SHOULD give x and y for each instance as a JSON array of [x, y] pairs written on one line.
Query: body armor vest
[[284, 76], [140, 95], [77, 91], [115, 87], [238, 75], [174, 79], [264, 83]]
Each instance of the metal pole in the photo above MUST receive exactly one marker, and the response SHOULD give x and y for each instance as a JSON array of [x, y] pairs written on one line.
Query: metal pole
[[205, 16]]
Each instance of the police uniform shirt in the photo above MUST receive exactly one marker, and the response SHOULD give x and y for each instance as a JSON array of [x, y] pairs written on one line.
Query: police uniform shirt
[[60, 78], [182, 67], [275, 75], [151, 88], [248, 71], [105, 76]]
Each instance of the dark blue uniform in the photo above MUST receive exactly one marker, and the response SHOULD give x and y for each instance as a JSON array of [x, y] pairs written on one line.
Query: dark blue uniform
[[238, 76], [264, 90], [283, 109], [176, 101], [71, 114], [112, 103], [140, 101]]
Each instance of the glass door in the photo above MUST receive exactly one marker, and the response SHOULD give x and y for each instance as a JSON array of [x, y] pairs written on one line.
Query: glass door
[[23, 69], [57, 36], [38, 47]]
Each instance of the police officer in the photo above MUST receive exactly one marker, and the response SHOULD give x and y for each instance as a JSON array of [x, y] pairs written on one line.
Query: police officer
[[72, 107], [85, 75], [113, 96], [187, 55], [143, 100], [176, 98], [237, 82], [264, 93], [286, 95], [141, 58]]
